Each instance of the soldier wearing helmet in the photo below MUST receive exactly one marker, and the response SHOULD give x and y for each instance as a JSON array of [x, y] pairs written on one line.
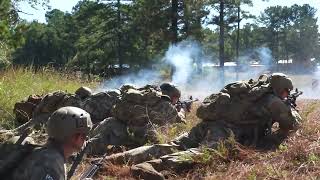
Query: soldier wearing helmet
[[281, 84], [171, 91], [250, 128], [67, 129]]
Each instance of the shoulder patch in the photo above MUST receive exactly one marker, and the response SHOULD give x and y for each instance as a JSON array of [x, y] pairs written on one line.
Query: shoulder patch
[[48, 177]]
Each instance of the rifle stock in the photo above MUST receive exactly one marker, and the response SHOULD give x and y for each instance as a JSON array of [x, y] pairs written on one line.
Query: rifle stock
[[91, 171]]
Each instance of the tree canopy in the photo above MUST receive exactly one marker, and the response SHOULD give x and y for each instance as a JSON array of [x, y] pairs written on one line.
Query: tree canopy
[[101, 35]]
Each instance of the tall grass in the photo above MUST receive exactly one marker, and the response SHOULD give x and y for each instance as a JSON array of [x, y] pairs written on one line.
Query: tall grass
[[17, 84]]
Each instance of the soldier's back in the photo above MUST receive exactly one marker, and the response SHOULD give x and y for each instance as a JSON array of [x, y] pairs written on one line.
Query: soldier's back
[[44, 163]]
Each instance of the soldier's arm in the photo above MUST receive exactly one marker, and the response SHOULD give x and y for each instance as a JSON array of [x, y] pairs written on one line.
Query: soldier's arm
[[287, 117], [48, 165], [181, 117], [46, 173]]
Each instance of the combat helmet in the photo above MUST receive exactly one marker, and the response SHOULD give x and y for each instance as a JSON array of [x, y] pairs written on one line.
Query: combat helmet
[[83, 92], [170, 90], [66, 121], [280, 82]]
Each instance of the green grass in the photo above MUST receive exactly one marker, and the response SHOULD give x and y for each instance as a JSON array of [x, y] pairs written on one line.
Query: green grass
[[17, 84]]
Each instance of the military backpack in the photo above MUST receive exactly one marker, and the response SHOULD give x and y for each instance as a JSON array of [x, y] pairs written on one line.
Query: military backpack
[[236, 102], [140, 106], [13, 153]]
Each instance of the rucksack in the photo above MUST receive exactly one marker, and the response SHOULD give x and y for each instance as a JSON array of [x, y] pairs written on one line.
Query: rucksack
[[99, 105], [54, 101], [235, 102], [11, 156], [141, 106]]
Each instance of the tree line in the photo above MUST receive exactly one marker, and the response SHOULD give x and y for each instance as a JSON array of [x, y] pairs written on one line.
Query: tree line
[[100, 36]]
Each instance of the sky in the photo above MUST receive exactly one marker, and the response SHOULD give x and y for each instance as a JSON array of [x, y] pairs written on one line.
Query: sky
[[66, 5]]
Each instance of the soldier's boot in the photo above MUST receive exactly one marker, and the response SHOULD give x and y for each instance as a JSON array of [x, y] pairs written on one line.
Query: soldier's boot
[[176, 162], [141, 154], [146, 171]]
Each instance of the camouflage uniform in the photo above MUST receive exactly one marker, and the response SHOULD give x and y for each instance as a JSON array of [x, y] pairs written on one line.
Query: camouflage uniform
[[269, 109], [113, 131], [44, 163], [135, 118], [99, 105], [52, 102]]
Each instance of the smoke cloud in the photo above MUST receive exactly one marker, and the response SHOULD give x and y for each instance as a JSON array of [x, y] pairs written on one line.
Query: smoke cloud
[[197, 75], [137, 79]]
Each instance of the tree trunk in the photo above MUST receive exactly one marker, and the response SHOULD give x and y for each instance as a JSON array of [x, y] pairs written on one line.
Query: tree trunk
[[186, 19], [174, 28], [119, 37], [221, 42], [237, 48], [174, 21], [221, 37]]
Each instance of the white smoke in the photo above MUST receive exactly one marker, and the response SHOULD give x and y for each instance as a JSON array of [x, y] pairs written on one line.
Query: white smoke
[[265, 55], [183, 57], [137, 79], [188, 58], [308, 83]]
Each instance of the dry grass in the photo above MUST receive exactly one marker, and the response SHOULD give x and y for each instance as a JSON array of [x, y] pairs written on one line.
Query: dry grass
[[16, 84], [296, 158]]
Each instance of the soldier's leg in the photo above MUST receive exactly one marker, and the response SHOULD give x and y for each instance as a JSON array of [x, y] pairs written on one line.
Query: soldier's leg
[[215, 134], [193, 138], [109, 132], [141, 154], [207, 133], [176, 162]]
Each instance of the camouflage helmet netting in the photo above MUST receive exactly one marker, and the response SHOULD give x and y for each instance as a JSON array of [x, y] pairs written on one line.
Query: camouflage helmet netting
[[67, 121], [170, 90], [280, 82]]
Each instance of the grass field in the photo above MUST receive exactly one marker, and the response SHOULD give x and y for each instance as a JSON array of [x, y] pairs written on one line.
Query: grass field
[[17, 84], [297, 158]]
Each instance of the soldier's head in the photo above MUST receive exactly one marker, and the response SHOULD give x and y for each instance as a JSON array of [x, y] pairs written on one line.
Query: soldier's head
[[69, 127], [83, 92], [281, 84], [171, 90]]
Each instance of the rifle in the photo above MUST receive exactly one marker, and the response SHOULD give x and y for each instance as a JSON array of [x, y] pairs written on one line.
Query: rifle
[[78, 159], [95, 166], [291, 99], [186, 104]]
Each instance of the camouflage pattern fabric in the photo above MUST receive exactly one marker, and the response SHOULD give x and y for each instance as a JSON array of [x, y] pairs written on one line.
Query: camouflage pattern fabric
[[11, 155], [135, 118], [114, 132], [175, 162], [267, 110], [44, 163], [233, 101], [108, 132], [99, 105], [24, 109], [52, 102], [139, 107], [209, 133]]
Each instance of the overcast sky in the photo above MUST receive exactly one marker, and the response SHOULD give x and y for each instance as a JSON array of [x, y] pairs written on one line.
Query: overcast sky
[[66, 5]]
